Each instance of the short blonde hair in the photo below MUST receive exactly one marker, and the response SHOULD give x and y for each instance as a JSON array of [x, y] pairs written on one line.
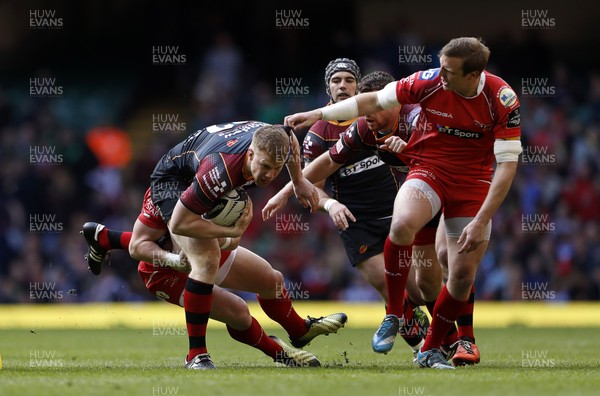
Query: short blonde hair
[[274, 141]]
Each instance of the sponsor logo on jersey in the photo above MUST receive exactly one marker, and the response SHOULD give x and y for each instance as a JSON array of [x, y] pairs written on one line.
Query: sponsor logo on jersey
[[361, 166], [439, 113], [461, 133], [507, 96], [231, 142], [214, 184], [429, 74], [514, 118]]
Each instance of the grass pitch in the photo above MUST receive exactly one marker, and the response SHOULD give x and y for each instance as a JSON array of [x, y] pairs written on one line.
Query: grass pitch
[[515, 361]]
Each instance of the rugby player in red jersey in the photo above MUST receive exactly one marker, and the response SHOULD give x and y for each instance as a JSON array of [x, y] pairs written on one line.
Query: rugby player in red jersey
[[371, 199], [469, 116]]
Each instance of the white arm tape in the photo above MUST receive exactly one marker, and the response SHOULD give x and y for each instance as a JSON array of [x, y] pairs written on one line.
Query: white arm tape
[[507, 150], [387, 96], [341, 111], [329, 203]]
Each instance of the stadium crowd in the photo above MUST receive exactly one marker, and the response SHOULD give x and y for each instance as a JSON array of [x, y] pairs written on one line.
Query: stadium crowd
[[55, 177]]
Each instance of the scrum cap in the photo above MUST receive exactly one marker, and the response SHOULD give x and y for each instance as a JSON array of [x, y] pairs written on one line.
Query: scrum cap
[[341, 64]]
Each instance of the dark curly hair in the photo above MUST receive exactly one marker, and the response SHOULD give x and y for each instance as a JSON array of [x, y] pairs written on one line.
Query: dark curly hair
[[375, 81]]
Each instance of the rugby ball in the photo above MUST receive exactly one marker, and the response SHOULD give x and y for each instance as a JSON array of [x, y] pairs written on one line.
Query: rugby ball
[[228, 208]]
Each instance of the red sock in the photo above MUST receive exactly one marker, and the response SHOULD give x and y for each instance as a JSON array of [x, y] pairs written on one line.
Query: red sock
[[110, 239], [452, 335], [197, 298], [397, 264], [280, 309], [445, 312], [465, 319], [255, 337]]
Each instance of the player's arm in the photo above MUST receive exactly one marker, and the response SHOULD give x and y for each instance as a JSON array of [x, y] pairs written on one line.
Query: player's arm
[[187, 223], [359, 105], [507, 156], [316, 171], [305, 191], [143, 246]]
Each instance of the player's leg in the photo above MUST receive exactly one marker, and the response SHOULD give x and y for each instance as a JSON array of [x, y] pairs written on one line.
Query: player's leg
[[455, 294], [169, 285], [252, 273], [203, 256], [100, 241], [413, 208]]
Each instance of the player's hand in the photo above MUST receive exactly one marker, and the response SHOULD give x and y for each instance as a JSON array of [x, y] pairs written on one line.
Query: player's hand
[[472, 236], [242, 223], [307, 194], [340, 214], [185, 265], [303, 120], [393, 144], [274, 205]]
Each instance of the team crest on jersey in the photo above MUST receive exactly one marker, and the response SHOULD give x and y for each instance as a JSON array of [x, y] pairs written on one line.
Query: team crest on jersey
[[507, 96], [429, 74]]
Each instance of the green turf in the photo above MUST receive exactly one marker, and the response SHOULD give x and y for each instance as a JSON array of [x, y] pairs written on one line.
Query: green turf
[[146, 362]]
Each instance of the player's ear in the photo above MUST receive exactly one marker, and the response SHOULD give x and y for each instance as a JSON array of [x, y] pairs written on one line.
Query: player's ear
[[250, 153]]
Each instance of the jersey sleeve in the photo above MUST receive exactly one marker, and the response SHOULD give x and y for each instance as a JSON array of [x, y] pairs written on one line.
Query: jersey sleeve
[[350, 142], [314, 144], [210, 183], [149, 215], [414, 88], [508, 108]]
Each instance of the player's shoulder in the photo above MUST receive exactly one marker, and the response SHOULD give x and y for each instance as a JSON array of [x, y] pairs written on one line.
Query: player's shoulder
[[499, 91], [329, 130], [423, 77]]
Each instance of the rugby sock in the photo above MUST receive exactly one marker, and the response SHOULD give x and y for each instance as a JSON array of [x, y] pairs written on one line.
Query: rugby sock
[[280, 309], [197, 299], [465, 319], [255, 337], [452, 335], [110, 239], [445, 312], [397, 264]]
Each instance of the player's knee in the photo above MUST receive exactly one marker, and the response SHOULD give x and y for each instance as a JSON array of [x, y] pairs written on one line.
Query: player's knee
[[134, 250], [401, 233], [238, 315], [442, 255], [461, 279]]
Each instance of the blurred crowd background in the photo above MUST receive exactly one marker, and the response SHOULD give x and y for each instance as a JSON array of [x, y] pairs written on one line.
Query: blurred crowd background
[[86, 110]]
